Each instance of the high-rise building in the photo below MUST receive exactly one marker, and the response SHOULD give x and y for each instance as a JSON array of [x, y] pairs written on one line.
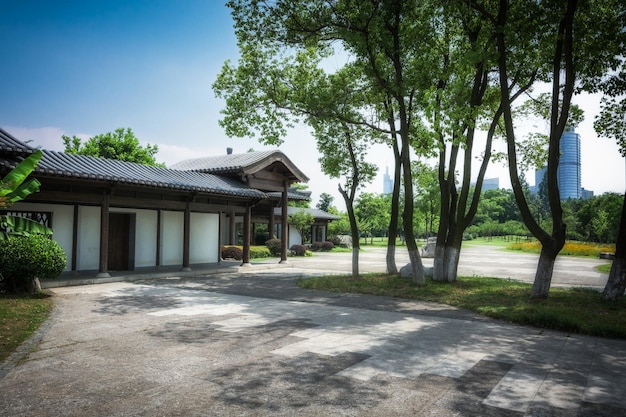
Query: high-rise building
[[568, 174], [491, 184], [540, 174], [488, 184], [387, 182]]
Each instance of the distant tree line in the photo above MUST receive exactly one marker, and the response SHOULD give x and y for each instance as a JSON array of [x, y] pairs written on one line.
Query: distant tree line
[[592, 220]]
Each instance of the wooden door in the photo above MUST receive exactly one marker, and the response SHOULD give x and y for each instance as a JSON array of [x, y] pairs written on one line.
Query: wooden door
[[121, 242]]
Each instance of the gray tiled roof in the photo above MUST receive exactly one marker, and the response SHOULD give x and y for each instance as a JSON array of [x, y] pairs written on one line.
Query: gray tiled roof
[[87, 167], [10, 144], [240, 163], [59, 164], [223, 164], [292, 194]]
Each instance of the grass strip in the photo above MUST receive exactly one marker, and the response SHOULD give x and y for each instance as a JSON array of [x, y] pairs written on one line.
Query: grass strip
[[20, 316], [571, 310]]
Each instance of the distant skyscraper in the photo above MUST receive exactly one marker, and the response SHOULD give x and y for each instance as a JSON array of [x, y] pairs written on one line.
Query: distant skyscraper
[[491, 184], [540, 174], [387, 182], [568, 173]]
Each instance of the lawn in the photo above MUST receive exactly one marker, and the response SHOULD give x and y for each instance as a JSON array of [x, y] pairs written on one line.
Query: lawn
[[571, 310], [20, 317]]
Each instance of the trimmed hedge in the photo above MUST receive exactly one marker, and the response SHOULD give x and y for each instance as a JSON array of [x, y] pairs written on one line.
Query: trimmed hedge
[[232, 252], [298, 250], [274, 246], [23, 258], [322, 246], [259, 252], [236, 252]]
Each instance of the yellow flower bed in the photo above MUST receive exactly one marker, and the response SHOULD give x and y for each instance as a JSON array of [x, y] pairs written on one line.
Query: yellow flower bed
[[570, 248]]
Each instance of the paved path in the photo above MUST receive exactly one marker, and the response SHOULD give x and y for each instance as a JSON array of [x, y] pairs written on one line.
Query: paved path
[[253, 343]]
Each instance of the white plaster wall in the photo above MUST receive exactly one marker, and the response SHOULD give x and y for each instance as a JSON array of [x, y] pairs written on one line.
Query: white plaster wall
[[88, 250], [62, 224], [145, 235], [172, 223], [203, 239], [294, 237]]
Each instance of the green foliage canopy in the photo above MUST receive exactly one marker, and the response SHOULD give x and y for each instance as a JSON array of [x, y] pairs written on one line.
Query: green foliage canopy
[[121, 145]]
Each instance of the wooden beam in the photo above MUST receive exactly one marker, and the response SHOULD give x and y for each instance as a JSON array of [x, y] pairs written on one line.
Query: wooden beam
[[263, 184], [56, 197]]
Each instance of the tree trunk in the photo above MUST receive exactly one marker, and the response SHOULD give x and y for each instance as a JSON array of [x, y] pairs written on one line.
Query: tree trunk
[[616, 284], [439, 263], [395, 210], [354, 229], [417, 267], [355, 262], [391, 258], [543, 276], [451, 262], [34, 286], [407, 221]]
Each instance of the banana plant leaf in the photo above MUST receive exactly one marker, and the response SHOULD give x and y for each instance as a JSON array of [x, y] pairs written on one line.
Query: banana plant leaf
[[23, 191], [20, 226], [14, 179]]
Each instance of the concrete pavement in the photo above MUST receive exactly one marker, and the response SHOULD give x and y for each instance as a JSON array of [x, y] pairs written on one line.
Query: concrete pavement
[[252, 343]]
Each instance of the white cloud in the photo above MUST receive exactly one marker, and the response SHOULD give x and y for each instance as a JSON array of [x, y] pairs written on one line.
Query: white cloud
[[43, 137]]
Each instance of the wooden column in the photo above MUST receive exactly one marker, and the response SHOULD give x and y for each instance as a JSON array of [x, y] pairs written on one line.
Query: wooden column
[[272, 224], [219, 237], [75, 238], [186, 237], [284, 225], [231, 229], [247, 220], [103, 270], [158, 240]]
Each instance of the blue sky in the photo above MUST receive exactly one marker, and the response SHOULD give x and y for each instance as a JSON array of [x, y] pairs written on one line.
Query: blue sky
[[88, 67]]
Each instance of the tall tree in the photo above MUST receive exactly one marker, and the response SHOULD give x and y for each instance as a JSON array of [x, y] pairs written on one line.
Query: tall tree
[[286, 40], [579, 42], [611, 123], [121, 145], [372, 211], [326, 202], [426, 180], [464, 97]]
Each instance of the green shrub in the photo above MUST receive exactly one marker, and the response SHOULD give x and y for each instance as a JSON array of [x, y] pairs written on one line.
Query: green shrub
[[298, 250], [322, 246], [274, 246], [22, 258], [259, 252], [232, 252]]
